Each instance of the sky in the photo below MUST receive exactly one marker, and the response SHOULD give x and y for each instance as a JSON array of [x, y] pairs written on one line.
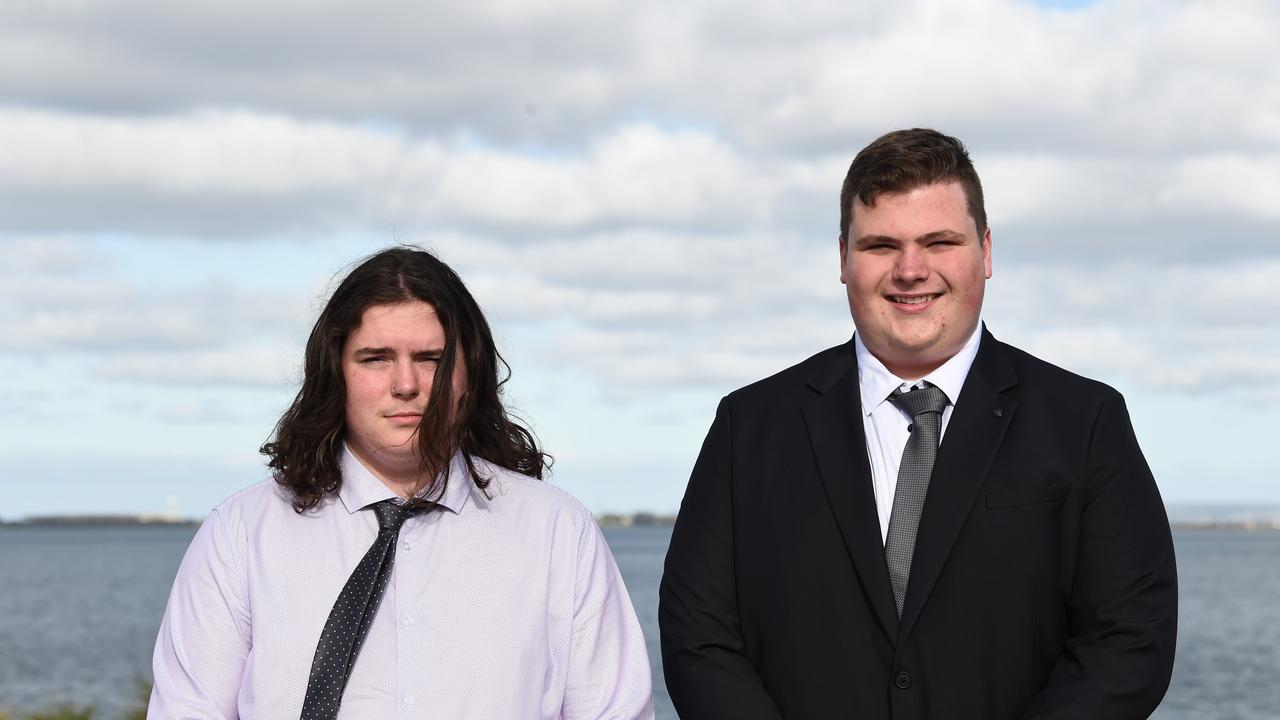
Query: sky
[[642, 196]]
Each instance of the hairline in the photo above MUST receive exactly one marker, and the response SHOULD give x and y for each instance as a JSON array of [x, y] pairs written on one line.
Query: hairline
[[871, 202]]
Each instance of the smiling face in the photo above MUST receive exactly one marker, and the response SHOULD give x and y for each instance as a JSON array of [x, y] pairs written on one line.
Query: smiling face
[[389, 365], [915, 270]]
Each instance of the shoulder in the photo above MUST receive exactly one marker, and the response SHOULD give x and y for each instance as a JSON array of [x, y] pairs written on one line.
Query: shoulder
[[263, 501], [531, 519], [1041, 376], [511, 492], [822, 368], [1056, 401]]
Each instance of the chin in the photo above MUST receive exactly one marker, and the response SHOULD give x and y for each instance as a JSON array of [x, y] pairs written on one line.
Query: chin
[[401, 446], [916, 346], [920, 352]]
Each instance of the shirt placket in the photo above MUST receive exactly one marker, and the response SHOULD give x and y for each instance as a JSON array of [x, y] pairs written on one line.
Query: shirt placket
[[407, 621]]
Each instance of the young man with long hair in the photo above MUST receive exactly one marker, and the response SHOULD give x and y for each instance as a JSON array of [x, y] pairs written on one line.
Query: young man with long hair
[[404, 559]]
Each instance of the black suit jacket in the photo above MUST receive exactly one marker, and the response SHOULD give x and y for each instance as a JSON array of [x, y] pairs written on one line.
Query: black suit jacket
[[1043, 583]]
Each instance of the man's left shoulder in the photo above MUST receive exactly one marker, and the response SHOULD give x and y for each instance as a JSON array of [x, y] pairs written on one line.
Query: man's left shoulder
[[1041, 376], [515, 492]]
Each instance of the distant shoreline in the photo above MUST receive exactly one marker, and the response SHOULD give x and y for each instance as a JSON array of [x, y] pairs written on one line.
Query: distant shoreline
[[102, 521], [1238, 526], [608, 520]]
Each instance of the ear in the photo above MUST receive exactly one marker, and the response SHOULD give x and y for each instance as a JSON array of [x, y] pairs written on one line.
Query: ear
[[844, 258], [986, 253]]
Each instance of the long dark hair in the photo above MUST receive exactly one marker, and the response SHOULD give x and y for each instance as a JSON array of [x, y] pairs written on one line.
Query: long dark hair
[[304, 450]]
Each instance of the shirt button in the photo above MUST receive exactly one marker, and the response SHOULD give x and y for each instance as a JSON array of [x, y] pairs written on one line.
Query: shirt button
[[407, 622], [902, 680], [408, 699], [407, 545]]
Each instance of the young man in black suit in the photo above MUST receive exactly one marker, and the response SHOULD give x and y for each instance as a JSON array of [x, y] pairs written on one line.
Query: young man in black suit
[[922, 522]]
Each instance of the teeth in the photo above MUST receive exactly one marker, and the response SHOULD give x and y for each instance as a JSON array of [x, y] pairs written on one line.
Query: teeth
[[912, 300]]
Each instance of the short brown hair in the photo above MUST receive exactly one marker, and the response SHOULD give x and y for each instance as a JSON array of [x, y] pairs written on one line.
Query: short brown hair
[[904, 160]]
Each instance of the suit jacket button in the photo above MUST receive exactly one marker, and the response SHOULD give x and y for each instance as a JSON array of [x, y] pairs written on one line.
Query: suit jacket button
[[902, 680]]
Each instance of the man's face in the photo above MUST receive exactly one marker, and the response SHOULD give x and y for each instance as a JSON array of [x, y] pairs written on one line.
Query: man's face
[[389, 364], [915, 270]]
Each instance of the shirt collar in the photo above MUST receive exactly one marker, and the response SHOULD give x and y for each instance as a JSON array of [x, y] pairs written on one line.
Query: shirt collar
[[875, 382], [361, 488]]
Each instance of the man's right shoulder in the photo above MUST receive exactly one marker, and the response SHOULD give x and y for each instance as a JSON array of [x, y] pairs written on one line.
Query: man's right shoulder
[[813, 374]]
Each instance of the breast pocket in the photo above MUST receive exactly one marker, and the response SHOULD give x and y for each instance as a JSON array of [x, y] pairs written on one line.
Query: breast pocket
[[1027, 496]]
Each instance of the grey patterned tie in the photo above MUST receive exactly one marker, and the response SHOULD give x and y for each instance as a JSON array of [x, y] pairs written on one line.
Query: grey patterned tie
[[925, 405], [351, 615]]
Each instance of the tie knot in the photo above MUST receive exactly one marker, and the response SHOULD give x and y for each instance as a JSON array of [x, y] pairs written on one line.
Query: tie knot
[[391, 516], [918, 401]]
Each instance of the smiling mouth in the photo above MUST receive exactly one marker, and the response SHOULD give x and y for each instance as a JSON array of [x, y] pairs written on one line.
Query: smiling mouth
[[913, 299]]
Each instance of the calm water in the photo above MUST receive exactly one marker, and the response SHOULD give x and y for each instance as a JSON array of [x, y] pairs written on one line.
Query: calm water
[[79, 609]]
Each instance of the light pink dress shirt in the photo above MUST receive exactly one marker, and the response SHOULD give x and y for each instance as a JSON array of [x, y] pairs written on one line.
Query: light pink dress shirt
[[507, 606]]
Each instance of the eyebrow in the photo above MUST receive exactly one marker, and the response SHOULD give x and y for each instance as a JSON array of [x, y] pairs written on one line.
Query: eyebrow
[[429, 354], [935, 235]]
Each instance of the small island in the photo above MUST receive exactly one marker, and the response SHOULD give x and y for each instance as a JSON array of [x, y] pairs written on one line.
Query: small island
[[640, 519], [104, 520]]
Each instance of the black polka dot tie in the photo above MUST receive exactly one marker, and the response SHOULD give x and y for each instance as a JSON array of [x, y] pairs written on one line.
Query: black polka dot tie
[[349, 620]]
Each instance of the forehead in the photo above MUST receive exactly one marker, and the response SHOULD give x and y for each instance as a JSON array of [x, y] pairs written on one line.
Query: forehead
[[918, 211], [408, 322]]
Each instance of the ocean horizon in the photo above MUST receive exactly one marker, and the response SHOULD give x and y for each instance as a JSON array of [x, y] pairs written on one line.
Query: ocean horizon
[[82, 605]]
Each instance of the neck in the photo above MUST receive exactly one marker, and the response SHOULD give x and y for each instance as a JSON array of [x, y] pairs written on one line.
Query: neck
[[405, 488], [912, 374], [405, 477]]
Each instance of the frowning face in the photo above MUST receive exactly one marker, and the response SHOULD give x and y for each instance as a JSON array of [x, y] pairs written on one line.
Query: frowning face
[[389, 365], [915, 271]]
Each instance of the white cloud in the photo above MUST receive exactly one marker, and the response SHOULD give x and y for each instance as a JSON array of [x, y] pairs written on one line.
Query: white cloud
[[819, 75], [201, 412], [674, 279], [1227, 183], [269, 367], [1186, 328], [1188, 363], [45, 256], [62, 299], [649, 310], [643, 199], [634, 365], [111, 315], [633, 175], [501, 119], [234, 174], [242, 173], [1211, 295], [223, 152]]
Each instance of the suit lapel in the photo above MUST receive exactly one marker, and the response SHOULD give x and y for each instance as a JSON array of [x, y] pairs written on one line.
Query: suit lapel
[[836, 432], [973, 436]]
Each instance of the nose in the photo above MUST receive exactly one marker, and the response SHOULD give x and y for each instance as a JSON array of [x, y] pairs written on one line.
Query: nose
[[404, 383], [911, 265]]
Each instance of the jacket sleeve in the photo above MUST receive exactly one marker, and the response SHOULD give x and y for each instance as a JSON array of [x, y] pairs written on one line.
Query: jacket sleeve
[[707, 672], [204, 637], [1124, 601]]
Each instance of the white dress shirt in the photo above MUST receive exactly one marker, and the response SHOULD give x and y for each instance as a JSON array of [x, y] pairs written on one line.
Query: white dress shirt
[[885, 424], [507, 606]]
